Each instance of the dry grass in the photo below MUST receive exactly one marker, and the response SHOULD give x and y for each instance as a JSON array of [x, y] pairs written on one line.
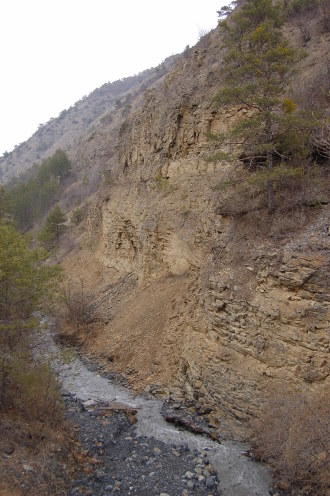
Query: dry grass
[[30, 464], [34, 436], [294, 437]]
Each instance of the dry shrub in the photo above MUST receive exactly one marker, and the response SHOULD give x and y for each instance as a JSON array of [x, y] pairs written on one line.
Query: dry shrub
[[80, 312], [37, 392], [283, 224], [293, 436], [309, 190], [295, 187], [238, 198]]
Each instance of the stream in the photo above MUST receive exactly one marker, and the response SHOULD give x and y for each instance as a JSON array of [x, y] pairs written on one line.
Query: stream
[[237, 474]]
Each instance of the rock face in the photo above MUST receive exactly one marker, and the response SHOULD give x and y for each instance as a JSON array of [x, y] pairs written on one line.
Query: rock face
[[202, 293]]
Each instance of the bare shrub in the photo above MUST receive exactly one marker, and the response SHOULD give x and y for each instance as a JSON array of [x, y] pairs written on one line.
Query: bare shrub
[[204, 39], [293, 436], [284, 224], [80, 312], [237, 197]]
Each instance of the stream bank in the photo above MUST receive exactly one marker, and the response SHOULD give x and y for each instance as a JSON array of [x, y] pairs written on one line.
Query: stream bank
[[149, 457]]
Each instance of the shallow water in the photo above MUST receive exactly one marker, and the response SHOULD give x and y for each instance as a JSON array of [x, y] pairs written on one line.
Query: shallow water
[[238, 475]]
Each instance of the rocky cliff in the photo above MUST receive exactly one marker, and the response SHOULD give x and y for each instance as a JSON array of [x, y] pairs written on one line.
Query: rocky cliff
[[200, 293]]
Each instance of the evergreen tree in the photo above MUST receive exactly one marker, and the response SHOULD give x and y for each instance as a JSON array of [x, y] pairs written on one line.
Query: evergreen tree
[[24, 284], [77, 216], [54, 227], [258, 66], [59, 165], [26, 200]]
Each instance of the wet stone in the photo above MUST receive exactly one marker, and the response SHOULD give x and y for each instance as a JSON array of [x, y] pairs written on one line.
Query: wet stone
[[131, 465], [210, 482], [88, 403], [125, 453]]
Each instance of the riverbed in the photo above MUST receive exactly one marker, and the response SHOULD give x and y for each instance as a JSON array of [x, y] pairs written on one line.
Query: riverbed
[[88, 394]]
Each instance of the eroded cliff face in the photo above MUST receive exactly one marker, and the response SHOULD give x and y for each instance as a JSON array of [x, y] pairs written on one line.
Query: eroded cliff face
[[222, 308], [216, 313]]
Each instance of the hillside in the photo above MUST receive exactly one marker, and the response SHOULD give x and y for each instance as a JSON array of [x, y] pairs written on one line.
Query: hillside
[[82, 117], [193, 290], [200, 291]]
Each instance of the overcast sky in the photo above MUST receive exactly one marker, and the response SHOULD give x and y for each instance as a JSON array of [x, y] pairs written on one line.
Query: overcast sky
[[53, 52]]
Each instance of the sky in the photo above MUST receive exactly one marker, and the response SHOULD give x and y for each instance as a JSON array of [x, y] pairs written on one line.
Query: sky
[[53, 52]]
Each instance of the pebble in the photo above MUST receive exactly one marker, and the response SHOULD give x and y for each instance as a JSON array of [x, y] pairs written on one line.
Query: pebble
[[210, 482], [27, 467], [189, 475], [99, 474], [89, 403], [132, 465]]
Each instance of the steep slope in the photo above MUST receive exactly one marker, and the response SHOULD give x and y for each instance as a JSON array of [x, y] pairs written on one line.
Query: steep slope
[[74, 122], [197, 292], [200, 292]]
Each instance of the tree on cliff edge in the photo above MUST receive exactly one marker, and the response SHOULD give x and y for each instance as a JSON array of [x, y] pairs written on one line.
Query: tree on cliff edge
[[258, 66]]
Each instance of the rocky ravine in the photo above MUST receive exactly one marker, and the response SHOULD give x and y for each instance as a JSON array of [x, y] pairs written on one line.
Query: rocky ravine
[[200, 293]]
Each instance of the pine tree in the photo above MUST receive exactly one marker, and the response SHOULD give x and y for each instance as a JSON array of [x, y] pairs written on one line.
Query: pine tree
[[77, 216], [59, 165], [258, 66], [54, 227]]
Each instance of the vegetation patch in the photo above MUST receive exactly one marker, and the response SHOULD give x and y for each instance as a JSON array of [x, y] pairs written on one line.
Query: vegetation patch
[[32, 425], [293, 435]]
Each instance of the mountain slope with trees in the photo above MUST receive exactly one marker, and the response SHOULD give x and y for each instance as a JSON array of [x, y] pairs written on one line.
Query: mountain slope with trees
[[74, 122], [203, 246]]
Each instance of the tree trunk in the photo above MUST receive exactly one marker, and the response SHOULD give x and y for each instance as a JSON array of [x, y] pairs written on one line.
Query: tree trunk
[[270, 185]]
